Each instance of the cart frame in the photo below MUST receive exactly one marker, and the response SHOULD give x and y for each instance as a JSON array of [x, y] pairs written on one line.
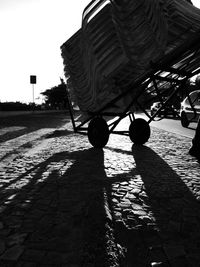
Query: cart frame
[[175, 68]]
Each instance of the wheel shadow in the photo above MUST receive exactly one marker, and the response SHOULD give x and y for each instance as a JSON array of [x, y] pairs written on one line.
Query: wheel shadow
[[63, 211], [166, 228], [66, 211]]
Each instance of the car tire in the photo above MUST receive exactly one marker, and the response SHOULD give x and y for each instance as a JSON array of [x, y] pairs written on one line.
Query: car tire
[[184, 120]]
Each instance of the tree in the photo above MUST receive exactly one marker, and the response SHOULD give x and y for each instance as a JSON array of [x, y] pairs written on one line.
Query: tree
[[56, 97]]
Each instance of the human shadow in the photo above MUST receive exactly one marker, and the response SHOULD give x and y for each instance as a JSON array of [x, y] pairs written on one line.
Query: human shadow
[[68, 214], [172, 205], [66, 211], [163, 223]]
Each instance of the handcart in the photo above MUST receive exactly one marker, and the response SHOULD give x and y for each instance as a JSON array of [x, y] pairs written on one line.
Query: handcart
[[102, 55]]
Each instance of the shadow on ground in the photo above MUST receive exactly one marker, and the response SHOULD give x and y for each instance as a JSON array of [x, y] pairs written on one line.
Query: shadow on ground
[[163, 230], [24, 124], [63, 213]]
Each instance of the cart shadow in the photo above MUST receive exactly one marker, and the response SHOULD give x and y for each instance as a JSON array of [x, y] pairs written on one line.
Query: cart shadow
[[172, 214], [67, 209], [70, 209], [164, 187]]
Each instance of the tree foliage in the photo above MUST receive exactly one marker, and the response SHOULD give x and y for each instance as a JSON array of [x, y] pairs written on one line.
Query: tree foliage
[[56, 97], [16, 106]]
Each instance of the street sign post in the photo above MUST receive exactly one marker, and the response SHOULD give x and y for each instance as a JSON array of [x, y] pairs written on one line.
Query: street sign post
[[33, 80]]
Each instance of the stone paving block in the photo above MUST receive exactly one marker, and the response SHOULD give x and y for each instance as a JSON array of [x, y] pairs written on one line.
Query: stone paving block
[[16, 239], [28, 226], [2, 208], [1, 225], [159, 264], [189, 226], [32, 255], [174, 251], [137, 254], [121, 232], [2, 246], [71, 265], [156, 254], [193, 259], [158, 181], [23, 264], [13, 253], [180, 261], [54, 258], [174, 226]]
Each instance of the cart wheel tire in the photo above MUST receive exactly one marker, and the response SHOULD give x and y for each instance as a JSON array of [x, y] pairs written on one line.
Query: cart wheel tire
[[139, 131], [98, 132], [184, 120]]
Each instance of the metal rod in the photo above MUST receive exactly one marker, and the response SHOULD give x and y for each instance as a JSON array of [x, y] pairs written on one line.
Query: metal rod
[[71, 111]]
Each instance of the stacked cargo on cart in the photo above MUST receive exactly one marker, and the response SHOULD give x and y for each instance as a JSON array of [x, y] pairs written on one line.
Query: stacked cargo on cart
[[122, 58]]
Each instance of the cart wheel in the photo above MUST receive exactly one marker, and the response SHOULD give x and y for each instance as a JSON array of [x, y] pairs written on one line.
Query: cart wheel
[[139, 131], [184, 120], [98, 132]]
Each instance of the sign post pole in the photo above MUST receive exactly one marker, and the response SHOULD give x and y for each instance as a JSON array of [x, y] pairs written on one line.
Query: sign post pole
[[33, 94], [33, 80]]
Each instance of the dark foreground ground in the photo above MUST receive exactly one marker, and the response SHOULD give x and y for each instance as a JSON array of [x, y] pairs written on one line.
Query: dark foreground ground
[[64, 203]]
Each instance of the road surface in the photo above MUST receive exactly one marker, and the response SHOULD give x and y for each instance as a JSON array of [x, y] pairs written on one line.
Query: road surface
[[167, 124], [174, 126]]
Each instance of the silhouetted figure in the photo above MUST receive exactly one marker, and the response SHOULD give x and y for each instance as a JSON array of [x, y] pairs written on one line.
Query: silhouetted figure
[[195, 148]]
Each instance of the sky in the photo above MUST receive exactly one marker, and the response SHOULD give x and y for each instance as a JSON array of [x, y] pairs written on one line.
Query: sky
[[31, 33]]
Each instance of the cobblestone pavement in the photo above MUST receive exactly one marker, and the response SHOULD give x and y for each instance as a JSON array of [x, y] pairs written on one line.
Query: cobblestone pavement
[[64, 203]]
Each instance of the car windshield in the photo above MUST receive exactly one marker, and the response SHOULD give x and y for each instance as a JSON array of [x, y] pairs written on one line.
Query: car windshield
[[194, 97]]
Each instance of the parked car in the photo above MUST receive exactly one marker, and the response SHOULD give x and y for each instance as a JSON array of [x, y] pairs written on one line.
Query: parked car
[[190, 113], [165, 111]]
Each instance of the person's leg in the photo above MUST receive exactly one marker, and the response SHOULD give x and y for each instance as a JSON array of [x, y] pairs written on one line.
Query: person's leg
[[195, 149]]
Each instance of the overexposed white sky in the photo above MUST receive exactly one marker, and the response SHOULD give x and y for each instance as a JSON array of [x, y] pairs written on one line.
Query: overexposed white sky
[[31, 33]]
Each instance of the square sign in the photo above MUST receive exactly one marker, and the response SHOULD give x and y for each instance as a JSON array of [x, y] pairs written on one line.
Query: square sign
[[33, 79]]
